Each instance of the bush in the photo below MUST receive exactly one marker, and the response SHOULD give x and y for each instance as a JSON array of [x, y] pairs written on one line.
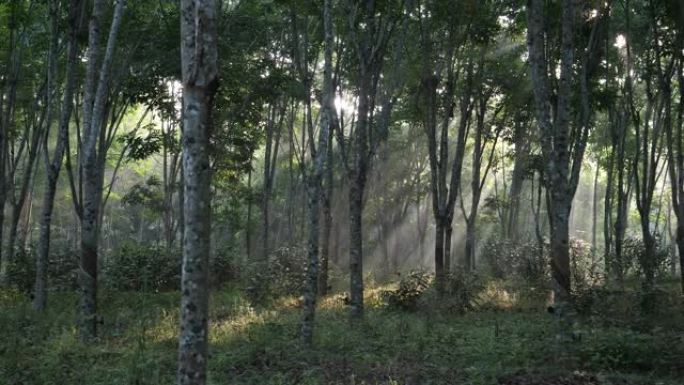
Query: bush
[[526, 260], [224, 268], [62, 269], [407, 295], [142, 267], [285, 274], [417, 291], [21, 271]]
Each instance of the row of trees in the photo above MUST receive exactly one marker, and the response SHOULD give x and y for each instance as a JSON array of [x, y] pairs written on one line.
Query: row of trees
[[409, 105]]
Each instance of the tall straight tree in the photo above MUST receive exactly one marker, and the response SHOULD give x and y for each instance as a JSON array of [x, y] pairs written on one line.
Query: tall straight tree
[[563, 142], [438, 115], [54, 165], [315, 191], [369, 37], [675, 151], [199, 57], [8, 97], [95, 96]]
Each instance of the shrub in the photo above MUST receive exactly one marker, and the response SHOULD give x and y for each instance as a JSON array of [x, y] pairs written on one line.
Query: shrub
[[285, 274], [407, 295], [224, 267], [142, 267], [417, 291], [22, 270], [62, 269], [506, 258]]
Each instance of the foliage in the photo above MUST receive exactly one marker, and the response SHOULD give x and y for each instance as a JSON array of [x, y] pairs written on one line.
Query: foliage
[[62, 269], [142, 267], [407, 295], [225, 267], [506, 258], [284, 274], [416, 291], [139, 341]]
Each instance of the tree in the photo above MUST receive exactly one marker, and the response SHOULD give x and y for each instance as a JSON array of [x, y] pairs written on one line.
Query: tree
[[54, 165], [315, 179], [96, 91], [444, 194], [563, 144], [199, 57], [369, 35]]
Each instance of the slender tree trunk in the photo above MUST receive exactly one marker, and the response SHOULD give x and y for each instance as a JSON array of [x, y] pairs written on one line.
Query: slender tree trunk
[[680, 246], [93, 120], [521, 152], [594, 215], [315, 180], [327, 219], [440, 237], [248, 227], [53, 167], [608, 215], [199, 60]]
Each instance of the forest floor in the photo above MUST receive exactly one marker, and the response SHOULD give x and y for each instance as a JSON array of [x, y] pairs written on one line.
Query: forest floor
[[512, 346]]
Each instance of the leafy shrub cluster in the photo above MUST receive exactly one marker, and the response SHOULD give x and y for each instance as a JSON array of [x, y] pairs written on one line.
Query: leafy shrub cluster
[[285, 274], [224, 267], [62, 269], [417, 291], [506, 258], [142, 267], [407, 295], [634, 255]]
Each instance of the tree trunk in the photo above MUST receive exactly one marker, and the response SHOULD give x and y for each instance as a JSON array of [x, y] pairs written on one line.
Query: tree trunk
[[199, 67], [315, 188], [440, 237], [594, 215], [680, 248], [356, 247], [53, 167], [248, 226], [608, 215], [327, 219], [521, 152], [94, 118], [469, 265], [560, 251]]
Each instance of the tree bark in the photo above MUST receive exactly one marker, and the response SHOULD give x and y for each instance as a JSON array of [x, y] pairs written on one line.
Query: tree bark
[[95, 96], [199, 60], [53, 167], [327, 217], [315, 188]]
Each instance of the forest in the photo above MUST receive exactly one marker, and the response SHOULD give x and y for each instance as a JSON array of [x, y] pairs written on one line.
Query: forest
[[350, 192]]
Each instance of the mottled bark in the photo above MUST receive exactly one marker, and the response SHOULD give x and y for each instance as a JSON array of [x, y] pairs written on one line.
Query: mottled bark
[[608, 214], [54, 165], [675, 152], [357, 187], [8, 94], [94, 117], [200, 71], [562, 149], [438, 115], [478, 176], [522, 148], [315, 179], [327, 218]]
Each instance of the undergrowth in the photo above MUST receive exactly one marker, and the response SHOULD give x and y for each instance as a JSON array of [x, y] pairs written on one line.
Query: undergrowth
[[138, 342]]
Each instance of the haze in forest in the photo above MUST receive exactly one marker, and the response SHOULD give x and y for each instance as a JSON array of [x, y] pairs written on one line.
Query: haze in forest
[[341, 192]]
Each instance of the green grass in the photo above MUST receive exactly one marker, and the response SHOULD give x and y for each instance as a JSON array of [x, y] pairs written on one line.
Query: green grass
[[139, 340]]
